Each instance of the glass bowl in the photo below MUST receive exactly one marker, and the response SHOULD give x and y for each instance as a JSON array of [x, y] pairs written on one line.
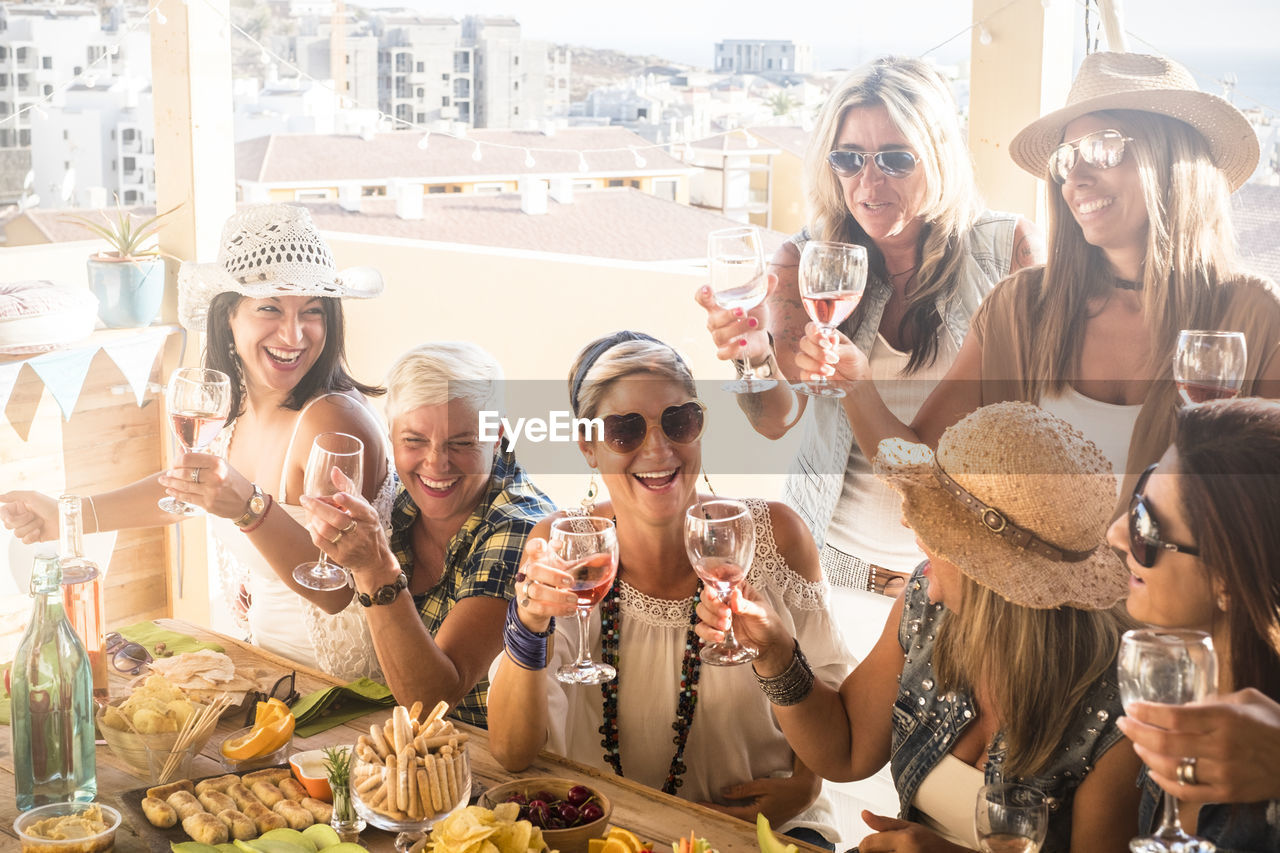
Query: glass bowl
[[99, 843], [271, 759], [371, 804], [133, 748]]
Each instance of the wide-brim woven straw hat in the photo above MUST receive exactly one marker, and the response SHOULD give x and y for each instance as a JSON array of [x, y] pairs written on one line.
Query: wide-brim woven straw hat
[[1152, 84], [269, 250], [1039, 474]]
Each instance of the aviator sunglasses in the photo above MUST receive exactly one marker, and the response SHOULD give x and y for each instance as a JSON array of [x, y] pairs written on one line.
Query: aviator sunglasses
[[680, 424], [1145, 543], [1102, 149], [894, 163]]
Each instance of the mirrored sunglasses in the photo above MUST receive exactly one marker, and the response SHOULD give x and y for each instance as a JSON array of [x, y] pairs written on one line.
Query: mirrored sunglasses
[[126, 656], [1145, 543], [894, 163], [1102, 149], [681, 424]]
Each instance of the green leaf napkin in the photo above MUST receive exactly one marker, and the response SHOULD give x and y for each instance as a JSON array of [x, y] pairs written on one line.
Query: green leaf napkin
[[322, 710]]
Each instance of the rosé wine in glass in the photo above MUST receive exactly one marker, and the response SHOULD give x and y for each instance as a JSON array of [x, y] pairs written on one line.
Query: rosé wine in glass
[[587, 549], [720, 538], [832, 278], [199, 401]]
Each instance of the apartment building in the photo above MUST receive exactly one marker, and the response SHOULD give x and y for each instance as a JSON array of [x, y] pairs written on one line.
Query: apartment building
[[763, 56]]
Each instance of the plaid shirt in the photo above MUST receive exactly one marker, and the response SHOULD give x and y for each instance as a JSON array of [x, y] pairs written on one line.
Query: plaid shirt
[[482, 557]]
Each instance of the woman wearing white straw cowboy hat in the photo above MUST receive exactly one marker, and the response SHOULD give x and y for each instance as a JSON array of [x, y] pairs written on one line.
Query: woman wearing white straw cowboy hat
[[271, 305], [1139, 166], [998, 661]]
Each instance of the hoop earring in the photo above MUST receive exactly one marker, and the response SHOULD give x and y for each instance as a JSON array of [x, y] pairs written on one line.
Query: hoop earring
[[593, 491], [707, 480]]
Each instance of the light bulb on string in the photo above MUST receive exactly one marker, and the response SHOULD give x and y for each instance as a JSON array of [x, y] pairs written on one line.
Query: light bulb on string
[[91, 80], [984, 36], [751, 140], [582, 162], [528, 159], [114, 50], [424, 141], [477, 155], [160, 18], [639, 160]]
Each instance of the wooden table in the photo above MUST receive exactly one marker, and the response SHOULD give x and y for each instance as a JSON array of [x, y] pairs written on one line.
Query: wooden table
[[651, 814]]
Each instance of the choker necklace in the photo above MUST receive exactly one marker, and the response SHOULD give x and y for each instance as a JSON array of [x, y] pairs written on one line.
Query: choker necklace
[[1125, 284], [687, 697]]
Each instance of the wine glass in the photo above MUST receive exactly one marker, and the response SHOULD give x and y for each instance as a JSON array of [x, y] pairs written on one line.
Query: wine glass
[[1209, 365], [586, 548], [329, 450], [1010, 818], [199, 401], [738, 280], [1171, 667], [720, 537], [832, 278]]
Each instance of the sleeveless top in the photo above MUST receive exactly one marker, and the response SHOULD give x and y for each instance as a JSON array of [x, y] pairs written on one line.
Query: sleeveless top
[[817, 475], [279, 619]]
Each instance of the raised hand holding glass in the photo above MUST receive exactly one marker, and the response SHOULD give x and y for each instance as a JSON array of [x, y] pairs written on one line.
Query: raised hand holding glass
[[330, 450], [720, 538], [587, 549], [199, 401], [1209, 365], [832, 278], [738, 280]]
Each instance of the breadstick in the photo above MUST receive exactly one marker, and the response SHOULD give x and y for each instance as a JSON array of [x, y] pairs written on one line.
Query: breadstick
[[378, 742], [414, 803], [367, 784], [433, 777], [424, 792], [438, 711], [432, 728], [415, 711], [460, 772], [392, 785], [401, 726], [425, 743], [407, 762], [450, 782]]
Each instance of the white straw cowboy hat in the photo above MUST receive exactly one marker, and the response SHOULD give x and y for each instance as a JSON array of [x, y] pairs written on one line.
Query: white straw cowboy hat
[[269, 250], [1019, 501], [1152, 84]]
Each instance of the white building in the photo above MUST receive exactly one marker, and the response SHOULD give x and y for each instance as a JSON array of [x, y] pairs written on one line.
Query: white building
[[314, 48], [763, 56]]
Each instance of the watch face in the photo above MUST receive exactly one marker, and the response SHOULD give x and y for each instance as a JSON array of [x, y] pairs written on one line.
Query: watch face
[[386, 595], [256, 504]]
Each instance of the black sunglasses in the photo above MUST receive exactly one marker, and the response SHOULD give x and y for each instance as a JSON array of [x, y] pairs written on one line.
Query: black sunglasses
[[681, 424], [126, 656], [895, 163], [283, 690], [1145, 543], [1102, 149]]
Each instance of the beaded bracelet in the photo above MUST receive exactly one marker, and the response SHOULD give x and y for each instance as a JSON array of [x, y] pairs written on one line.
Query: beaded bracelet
[[792, 685], [266, 509], [528, 649]]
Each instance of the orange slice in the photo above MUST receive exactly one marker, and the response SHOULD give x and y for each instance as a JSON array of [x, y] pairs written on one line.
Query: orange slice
[[261, 741], [270, 711], [625, 837]]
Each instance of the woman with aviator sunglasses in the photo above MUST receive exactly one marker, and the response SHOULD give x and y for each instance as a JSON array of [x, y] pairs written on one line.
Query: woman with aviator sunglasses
[[728, 751], [1203, 550], [1139, 166], [887, 169]]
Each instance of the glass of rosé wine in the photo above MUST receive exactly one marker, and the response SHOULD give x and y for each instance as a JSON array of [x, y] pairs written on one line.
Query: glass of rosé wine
[[329, 450], [587, 549], [1209, 365], [1010, 818], [720, 538], [199, 401], [832, 278]]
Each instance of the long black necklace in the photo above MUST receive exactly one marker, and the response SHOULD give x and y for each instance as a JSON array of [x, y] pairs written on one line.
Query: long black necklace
[[686, 701]]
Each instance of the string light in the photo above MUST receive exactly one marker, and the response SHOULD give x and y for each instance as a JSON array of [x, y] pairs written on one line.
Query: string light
[[425, 141], [528, 159], [477, 154], [160, 18], [640, 161], [751, 140], [582, 162], [984, 36]]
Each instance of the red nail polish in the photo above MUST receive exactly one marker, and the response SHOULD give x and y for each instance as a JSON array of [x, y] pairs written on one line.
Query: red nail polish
[[752, 322], [742, 343], [737, 312]]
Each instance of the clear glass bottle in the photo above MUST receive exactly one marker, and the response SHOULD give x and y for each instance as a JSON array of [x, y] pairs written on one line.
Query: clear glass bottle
[[52, 711], [82, 594]]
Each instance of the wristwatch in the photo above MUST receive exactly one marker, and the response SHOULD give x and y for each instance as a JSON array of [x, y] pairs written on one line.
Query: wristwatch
[[254, 509], [384, 594]]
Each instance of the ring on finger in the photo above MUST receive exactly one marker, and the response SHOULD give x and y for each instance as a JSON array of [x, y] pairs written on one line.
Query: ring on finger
[[524, 594], [1186, 772], [195, 475], [334, 540], [350, 527]]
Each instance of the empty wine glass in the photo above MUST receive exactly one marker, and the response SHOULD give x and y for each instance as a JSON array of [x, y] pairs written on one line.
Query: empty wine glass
[[586, 548], [1169, 667], [199, 401], [1010, 818], [738, 280], [1209, 365], [720, 537], [832, 278], [329, 450]]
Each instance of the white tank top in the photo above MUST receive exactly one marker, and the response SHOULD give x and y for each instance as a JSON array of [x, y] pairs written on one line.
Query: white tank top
[[1108, 425]]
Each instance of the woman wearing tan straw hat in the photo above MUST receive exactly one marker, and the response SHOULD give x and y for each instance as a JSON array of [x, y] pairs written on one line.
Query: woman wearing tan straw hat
[[1203, 547], [886, 168], [272, 307], [1139, 166], [997, 663]]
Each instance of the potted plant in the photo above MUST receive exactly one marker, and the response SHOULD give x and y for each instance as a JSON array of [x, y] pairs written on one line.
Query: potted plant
[[128, 279]]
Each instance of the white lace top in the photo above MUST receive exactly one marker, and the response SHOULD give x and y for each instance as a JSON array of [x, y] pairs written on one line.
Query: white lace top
[[340, 643], [734, 737]]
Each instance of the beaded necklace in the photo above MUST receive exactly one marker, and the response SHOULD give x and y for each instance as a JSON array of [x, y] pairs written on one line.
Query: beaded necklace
[[686, 701]]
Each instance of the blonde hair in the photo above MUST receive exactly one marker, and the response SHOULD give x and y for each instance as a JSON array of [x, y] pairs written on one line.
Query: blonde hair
[[436, 373], [1191, 249], [623, 359], [922, 109], [1036, 666]]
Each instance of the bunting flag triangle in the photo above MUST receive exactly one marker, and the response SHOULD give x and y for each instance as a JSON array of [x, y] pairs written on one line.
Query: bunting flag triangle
[[135, 357], [8, 378], [63, 373]]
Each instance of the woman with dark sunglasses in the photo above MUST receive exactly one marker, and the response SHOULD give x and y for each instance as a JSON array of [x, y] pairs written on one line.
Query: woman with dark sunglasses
[[728, 751], [1203, 550], [887, 169], [1139, 167]]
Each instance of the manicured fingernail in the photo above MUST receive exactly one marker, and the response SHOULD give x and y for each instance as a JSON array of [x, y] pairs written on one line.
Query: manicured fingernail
[[737, 312], [742, 342], [752, 322]]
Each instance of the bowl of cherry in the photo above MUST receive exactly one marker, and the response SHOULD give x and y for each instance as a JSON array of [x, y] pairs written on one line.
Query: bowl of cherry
[[569, 814]]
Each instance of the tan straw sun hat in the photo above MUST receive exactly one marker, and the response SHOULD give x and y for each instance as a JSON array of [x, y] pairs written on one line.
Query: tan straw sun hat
[[1019, 501], [269, 250], [1152, 84]]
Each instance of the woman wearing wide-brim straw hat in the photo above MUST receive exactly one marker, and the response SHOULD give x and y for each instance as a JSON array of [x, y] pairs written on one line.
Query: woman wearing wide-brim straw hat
[[271, 305], [998, 661], [1139, 166]]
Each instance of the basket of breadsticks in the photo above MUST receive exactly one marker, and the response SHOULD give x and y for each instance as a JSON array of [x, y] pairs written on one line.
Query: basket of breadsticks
[[408, 773]]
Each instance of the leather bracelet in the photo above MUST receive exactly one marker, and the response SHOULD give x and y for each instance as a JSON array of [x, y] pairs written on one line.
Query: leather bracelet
[[792, 685], [266, 509], [528, 649], [384, 594], [770, 363]]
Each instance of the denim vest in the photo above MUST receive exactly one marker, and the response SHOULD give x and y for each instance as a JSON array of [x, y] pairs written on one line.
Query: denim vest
[[816, 476], [926, 726], [1233, 827]]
